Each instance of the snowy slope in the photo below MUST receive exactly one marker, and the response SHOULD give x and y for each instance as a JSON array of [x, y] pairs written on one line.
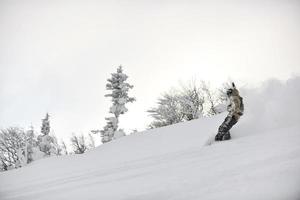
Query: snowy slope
[[261, 162], [168, 163]]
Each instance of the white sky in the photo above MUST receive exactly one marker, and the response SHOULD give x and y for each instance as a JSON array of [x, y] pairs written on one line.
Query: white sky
[[55, 56]]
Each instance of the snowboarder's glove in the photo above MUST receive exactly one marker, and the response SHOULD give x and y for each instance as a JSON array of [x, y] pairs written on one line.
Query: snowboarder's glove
[[240, 113]]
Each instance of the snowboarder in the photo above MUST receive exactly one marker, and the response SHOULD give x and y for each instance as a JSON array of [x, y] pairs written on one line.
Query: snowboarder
[[235, 109]]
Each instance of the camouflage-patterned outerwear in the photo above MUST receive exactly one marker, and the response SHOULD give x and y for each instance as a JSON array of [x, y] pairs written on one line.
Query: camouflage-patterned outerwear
[[234, 108]]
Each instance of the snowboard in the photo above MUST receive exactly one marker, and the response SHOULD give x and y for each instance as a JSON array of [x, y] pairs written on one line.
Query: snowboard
[[211, 140]]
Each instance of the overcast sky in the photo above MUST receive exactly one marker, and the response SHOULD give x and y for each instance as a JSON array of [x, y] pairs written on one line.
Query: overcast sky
[[55, 56]]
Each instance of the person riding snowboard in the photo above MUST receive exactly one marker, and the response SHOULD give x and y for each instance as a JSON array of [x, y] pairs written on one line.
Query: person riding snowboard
[[235, 109]]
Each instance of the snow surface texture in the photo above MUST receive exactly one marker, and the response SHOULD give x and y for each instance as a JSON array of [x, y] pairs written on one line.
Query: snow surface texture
[[262, 161]]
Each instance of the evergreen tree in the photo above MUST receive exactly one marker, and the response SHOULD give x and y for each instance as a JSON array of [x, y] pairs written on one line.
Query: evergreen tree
[[45, 141], [31, 144], [107, 133], [119, 97], [45, 130]]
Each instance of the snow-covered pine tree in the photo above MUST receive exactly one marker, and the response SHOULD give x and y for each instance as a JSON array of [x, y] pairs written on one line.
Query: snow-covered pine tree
[[119, 92], [45, 141], [107, 133], [45, 129], [119, 97], [31, 144]]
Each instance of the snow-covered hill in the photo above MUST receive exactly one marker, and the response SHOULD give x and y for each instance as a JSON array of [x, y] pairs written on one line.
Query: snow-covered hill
[[262, 161]]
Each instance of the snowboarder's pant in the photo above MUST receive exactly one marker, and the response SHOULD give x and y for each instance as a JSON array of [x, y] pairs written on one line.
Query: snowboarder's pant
[[227, 125]]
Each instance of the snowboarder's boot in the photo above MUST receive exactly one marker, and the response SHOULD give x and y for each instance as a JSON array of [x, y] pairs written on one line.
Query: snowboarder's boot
[[227, 136], [218, 137]]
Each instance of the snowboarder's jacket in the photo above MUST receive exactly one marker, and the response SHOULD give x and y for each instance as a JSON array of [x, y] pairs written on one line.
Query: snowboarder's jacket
[[236, 107]]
